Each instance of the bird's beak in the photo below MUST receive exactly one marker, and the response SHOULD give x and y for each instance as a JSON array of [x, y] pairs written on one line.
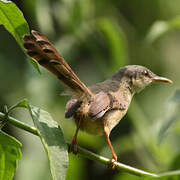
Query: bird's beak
[[161, 79]]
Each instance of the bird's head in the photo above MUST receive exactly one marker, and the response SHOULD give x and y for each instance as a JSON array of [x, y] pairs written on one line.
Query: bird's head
[[138, 77]]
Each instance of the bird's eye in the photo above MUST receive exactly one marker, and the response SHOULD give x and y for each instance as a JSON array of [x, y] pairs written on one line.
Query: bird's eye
[[146, 73]]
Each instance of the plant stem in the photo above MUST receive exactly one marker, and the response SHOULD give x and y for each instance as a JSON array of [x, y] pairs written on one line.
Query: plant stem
[[81, 151], [119, 166], [19, 124]]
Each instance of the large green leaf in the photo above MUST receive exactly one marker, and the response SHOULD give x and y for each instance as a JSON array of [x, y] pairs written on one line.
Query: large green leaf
[[9, 154], [14, 22], [53, 141], [23, 103]]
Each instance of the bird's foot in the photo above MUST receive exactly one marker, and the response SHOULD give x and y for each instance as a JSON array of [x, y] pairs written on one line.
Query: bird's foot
[[112, 165]]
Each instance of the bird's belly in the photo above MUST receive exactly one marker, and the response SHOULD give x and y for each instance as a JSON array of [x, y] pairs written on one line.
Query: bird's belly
[[96, 127]]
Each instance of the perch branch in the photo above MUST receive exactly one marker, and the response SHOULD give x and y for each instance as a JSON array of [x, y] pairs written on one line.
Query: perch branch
[[81, 151]]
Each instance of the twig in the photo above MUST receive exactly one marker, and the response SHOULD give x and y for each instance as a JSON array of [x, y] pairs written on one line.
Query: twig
[[119, 166], [19, 124], [81, 151]]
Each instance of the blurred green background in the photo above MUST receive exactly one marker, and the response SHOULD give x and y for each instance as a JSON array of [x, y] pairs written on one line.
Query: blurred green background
[[96, 38]]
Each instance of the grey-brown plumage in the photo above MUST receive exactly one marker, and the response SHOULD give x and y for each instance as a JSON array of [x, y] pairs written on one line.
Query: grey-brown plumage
[[99, 108]]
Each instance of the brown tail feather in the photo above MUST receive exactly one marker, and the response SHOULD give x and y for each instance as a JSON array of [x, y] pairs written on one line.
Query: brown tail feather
[[40, 49]]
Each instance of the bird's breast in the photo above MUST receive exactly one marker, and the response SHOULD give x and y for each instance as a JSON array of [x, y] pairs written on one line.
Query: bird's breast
[[112, 117]]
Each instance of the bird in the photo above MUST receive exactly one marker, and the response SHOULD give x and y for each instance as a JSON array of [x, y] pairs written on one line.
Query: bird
[[99, 108]]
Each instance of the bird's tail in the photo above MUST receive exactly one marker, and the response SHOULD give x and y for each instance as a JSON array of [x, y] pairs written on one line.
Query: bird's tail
[[41, 50]]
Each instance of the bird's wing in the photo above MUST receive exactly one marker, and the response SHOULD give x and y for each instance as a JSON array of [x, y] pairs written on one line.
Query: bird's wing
[[103, 102], [41, 50], [99, 105]]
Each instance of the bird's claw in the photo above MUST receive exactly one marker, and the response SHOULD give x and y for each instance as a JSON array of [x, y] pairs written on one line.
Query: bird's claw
[[112, 165]]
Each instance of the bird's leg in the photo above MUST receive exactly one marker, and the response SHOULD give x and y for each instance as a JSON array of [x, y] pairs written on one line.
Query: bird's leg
[[114, 156], [74, 140]]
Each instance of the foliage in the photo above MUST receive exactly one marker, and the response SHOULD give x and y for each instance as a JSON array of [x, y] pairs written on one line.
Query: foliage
[[13, 20], [98, 37], [51, 136], [9, 154], [53, 141]]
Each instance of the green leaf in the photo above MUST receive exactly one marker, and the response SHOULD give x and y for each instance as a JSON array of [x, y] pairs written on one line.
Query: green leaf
[[159, 28], [53, 141], [171, 116], [23, 103], [9, 154], [14, 22], [35, 65]]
